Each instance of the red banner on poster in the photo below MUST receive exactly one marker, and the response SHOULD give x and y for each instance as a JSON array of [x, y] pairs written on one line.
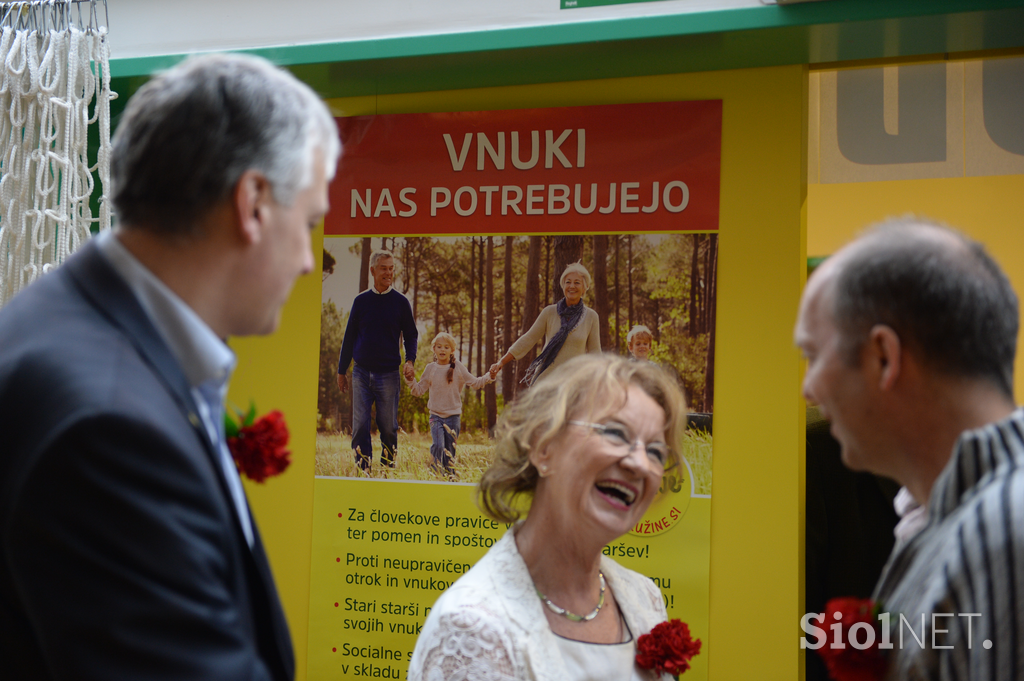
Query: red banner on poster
[[585, 169]]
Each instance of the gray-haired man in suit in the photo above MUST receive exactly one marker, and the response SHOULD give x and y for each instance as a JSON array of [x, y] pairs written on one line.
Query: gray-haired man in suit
[[127, 550]]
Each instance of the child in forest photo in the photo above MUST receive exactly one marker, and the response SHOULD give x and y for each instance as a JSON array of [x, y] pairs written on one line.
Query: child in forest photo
[[444, 379], [638, 341]]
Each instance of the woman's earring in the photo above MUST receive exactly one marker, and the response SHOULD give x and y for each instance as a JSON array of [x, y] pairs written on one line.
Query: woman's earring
[[543, 470]]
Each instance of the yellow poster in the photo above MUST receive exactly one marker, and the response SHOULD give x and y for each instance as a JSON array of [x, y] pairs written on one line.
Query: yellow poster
[[395, 521]]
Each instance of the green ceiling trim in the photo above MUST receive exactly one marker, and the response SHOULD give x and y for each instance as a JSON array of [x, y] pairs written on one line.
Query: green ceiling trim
[[808, 33]]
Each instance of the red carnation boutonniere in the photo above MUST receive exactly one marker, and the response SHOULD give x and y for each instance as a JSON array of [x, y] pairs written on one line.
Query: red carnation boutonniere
[[667, 648], [258, 445], [860, 658]]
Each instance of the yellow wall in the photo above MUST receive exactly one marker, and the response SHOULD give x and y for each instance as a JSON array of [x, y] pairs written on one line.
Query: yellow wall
[[280, 372], [990, 209], [757, 498]]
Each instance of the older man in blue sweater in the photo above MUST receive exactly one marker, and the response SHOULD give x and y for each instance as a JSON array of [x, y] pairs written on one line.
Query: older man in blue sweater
[[380, 318]]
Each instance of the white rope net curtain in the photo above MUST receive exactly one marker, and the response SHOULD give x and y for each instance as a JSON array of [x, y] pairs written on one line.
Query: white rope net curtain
[[55, 83]]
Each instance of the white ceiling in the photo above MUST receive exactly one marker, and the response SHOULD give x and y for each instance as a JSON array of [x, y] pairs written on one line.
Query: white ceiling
[[143, 28]]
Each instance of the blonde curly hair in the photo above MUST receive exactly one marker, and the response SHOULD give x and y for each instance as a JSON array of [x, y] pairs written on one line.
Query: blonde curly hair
[[588, 386]]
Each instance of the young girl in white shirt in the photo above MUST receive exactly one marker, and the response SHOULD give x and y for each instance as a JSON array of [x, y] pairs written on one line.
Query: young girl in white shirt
[[444, 378]]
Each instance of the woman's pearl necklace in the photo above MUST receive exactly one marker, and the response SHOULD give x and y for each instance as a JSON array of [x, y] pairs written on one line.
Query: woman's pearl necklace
[[571, 616]]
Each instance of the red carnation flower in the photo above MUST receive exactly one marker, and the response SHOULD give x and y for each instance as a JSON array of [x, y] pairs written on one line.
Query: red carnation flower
[[259, 447], [851, 663], [668, 648]]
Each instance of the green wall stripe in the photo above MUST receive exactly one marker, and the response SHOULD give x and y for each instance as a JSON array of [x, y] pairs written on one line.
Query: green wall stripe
[[811, 33], [836, 13]]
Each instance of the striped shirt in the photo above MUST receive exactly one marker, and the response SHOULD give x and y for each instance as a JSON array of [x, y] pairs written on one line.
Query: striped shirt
[[955, 592]]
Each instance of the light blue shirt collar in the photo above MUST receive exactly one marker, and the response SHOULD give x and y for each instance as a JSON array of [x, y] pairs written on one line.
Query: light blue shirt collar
[[200, 353], [205, 359]]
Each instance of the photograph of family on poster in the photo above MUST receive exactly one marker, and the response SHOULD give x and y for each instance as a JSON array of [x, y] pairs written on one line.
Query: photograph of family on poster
[[482, 308]]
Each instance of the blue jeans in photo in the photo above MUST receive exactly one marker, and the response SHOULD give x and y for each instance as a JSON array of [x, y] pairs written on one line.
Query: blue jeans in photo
[[382, 389], [443, 446]]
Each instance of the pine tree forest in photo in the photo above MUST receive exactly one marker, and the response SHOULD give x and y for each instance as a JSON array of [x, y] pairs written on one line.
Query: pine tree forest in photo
[[493, 287]]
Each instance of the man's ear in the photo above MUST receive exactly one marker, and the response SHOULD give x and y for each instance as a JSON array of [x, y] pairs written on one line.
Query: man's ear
[[883, 351], [251, 201]]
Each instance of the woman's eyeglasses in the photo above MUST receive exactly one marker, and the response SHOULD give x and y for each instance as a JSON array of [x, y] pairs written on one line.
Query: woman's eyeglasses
[[619, 437]]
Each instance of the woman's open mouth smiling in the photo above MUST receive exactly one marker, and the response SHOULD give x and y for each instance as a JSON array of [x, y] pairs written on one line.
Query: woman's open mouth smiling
[[618, 491]]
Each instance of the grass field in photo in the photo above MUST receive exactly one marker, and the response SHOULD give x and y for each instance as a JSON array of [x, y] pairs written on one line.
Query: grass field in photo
[[473, 454]]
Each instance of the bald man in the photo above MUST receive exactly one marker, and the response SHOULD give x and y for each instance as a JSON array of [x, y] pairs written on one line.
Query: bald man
[[910, 335]]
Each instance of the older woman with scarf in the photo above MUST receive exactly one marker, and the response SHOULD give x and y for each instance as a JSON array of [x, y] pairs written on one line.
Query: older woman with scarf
[[570, 327]]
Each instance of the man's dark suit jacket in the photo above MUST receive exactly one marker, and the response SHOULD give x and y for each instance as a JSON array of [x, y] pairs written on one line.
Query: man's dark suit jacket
[[122, 553]]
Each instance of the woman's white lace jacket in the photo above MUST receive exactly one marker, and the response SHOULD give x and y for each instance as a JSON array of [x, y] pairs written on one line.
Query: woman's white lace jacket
[[490, 625]]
